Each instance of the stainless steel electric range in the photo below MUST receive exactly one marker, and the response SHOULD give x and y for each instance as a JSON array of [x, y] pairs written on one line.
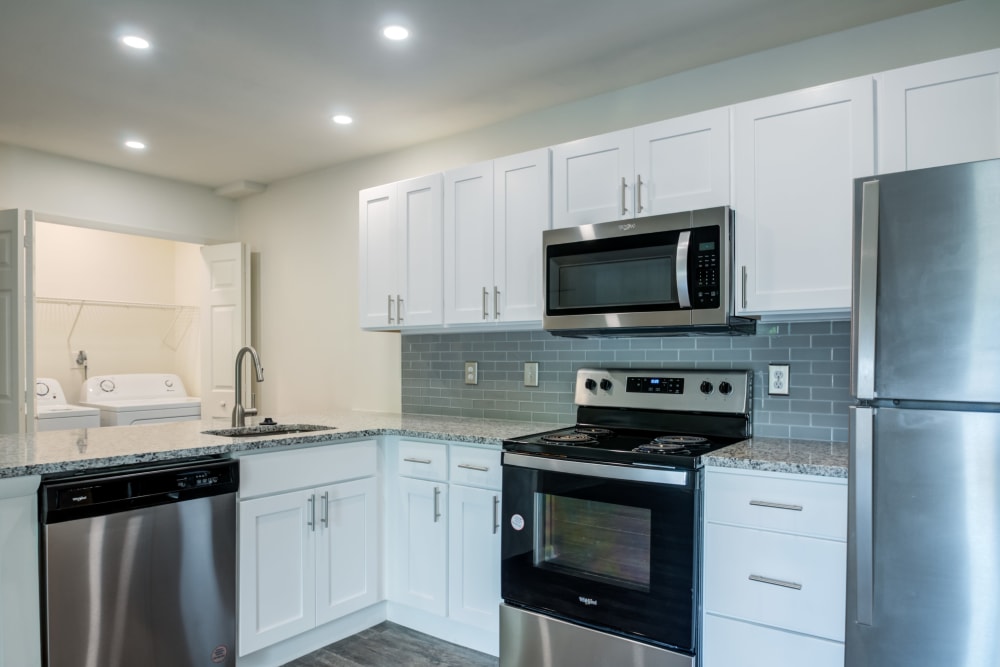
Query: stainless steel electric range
[[601, 533]]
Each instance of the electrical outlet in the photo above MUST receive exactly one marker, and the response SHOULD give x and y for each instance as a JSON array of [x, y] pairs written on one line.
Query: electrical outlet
[[777, 379], [531, 374], [471, 372]]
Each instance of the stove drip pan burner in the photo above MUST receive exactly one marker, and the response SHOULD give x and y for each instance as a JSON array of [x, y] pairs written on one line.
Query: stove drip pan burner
[[673, 444], [594, 431], [570, 439]]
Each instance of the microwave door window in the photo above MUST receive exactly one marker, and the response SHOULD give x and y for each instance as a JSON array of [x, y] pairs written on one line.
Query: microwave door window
[[630, 279]]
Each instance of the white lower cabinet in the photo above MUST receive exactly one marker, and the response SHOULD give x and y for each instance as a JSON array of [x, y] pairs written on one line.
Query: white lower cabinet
[[444, 541], [20, 631], [774, 569], [307, 555]]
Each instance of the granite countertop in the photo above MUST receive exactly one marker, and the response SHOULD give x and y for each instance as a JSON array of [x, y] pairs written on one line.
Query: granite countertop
[[804, 457], [51, 452]]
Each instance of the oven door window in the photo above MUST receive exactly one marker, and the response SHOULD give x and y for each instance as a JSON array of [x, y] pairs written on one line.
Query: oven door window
[[613, 554], [628, 274], [594, 540]]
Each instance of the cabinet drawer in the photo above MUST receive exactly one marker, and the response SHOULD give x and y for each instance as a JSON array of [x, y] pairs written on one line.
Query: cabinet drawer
[[745, 570], [425, 460], [803, 506], [475, 467], [261, 474], [729, 643]]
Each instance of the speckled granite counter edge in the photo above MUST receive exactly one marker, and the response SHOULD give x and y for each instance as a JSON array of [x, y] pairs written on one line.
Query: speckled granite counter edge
[[802, 457]]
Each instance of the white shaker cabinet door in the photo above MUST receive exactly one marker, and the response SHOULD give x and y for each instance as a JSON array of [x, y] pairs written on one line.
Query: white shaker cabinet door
[[795, 158], [420, 228], [470, 290], [522, 199], [592, 180], [938, 113], [277, 569], [474, 556], [347, 553], [378, 241], [682, 164], [419, 544]]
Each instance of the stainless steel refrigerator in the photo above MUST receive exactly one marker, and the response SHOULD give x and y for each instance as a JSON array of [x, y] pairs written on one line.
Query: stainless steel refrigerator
[[924, 525]]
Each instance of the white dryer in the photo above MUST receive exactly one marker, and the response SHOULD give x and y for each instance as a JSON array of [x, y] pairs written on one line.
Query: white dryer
[[52, 412], [140, 398]]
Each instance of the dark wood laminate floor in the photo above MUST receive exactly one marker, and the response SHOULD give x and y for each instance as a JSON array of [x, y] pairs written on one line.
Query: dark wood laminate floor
[[391, 645]]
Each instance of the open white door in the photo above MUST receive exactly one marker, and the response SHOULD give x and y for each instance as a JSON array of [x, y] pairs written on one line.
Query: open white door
[[225, 325], [17, 404]]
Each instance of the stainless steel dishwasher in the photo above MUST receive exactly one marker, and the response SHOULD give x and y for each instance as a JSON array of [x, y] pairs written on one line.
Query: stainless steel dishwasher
[[140, 566]]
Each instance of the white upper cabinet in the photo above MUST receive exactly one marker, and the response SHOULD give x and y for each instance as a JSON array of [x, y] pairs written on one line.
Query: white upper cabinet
[[494, 215], [400, 254], [795, 157], [674, 165], [938, 113]]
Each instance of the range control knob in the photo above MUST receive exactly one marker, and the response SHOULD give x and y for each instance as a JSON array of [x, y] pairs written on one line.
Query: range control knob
[[590, 384], [606, 384], [706, 387], [725, 388]]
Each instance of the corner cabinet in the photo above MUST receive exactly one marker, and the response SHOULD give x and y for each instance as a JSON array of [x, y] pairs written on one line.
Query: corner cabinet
[[309, 540], [795, 158], [673, 165], [400, 227], [939, 113], [494, 216], [775, 568]]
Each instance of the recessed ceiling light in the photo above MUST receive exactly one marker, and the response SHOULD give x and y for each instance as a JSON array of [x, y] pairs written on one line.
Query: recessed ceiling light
[[395, 32], [342, 119], [135, 145], [135, 42]]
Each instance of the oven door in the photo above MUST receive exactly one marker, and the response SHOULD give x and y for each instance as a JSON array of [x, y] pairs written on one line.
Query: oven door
[[658, 272], [610, 546]]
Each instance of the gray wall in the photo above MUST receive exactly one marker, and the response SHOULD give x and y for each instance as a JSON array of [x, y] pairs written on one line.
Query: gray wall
[[817, 352]]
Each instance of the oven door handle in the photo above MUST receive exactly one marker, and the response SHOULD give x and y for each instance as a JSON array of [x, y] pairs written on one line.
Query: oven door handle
[[628, 473], [681, 270]]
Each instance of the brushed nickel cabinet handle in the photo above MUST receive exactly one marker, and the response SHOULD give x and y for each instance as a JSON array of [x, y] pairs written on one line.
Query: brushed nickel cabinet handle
[[485, 296], [744, 295], [469, 466], [312, 512], [399, 309], [390, 308], [624, 188], [775, 582], [638, 194], [437, 504], [424, 461], [496, 302], [777, 506], [496, 514], [325, 517]]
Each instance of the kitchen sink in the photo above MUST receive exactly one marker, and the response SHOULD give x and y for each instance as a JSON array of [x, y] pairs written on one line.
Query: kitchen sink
[[268, 429]]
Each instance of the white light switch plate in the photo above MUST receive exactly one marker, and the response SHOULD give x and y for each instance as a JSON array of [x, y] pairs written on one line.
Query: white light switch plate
[[531, 374], [777, 379]]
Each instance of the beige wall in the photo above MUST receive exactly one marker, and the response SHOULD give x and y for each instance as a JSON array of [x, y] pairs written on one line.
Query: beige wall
[[107, 271], [306, 227]]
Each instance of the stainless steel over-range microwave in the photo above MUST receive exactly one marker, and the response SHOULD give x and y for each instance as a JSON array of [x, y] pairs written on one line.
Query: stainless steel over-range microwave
[[657, 276]]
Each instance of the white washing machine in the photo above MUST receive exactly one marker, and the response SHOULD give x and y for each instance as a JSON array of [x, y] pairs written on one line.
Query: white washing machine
[[140, 398], [52, 412]]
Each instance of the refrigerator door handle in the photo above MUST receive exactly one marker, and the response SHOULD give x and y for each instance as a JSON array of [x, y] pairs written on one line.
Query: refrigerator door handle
[[861, 430], [865, 295]]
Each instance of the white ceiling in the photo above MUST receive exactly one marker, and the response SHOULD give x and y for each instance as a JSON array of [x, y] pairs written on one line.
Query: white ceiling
[[244, 89]]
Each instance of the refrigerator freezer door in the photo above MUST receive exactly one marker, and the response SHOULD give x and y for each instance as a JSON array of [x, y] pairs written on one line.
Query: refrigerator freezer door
[[935, 580], [937, 325]]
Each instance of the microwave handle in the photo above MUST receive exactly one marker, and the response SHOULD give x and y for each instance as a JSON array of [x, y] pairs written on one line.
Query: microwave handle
[[681, 269]]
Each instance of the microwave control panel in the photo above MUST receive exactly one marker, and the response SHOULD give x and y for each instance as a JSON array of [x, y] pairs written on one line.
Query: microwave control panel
[[704, 285]]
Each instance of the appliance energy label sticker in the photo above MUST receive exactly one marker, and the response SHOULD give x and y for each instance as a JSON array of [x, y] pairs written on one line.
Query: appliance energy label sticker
[[517, 522]]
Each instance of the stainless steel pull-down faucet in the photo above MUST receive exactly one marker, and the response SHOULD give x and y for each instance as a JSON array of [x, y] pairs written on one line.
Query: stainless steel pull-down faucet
[[239, 412]]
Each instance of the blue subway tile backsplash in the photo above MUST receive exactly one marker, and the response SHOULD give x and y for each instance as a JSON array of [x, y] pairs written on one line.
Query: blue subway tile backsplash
[[817, 353]]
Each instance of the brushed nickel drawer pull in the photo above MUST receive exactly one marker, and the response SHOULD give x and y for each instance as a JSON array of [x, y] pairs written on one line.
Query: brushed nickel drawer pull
[[325, 517], [437, 504], [424, 461], [496, 514], [775, 582], [777, 506], [469, 466]]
